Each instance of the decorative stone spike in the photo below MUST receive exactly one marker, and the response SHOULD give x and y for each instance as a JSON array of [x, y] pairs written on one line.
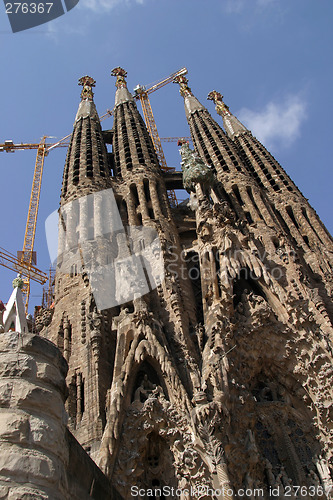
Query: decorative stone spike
[[231, 124], [184, 90], [217, 97], [18, 282], [87, 83], [121, 74]]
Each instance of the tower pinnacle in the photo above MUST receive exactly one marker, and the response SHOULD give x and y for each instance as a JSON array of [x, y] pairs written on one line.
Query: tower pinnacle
[[184, 90], [87, 83], [231, 124], [191, 103], [122, 93], [86, 167], [121, 74]]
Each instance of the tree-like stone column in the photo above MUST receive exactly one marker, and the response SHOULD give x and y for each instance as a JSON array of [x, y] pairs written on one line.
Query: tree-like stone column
[[33, 448]]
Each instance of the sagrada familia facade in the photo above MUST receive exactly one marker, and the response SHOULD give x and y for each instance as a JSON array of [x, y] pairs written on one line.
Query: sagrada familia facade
[[217, 379]]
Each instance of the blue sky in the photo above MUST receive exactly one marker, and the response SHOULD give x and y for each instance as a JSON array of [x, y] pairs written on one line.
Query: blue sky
[[271, 59]]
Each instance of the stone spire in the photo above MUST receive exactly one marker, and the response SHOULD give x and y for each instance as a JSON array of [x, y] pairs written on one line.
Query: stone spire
[[122, 93], [132, 145], [191, 103], [86, 169], [231, 124], [210, 141], [297, 217]]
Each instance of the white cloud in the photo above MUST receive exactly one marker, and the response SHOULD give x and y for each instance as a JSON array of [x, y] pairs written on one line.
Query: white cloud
[[237, 6], [234, 6], [265, 3], [106, 5], [278, 124]]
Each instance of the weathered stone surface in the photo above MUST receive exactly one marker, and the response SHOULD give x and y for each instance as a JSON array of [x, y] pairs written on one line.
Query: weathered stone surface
[[28, 465], [38, 398], [14, 427], [12, 365], [36, 449], [3, 491], [24, 493], [6, 389], [33, 448]]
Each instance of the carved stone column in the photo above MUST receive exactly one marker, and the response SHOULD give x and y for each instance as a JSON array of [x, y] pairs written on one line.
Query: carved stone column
[[98, 215], [78, 398], [83, 226], [67, 329], [132, 216], [143, 202], [155, 199]]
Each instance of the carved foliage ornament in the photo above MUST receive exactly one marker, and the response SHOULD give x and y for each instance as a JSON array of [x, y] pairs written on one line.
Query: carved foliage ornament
[[120, 74], [221, 107], [87, 83]]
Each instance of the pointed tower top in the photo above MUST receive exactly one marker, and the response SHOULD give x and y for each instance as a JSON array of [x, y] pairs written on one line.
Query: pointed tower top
[[191, 103], [86, 168], [220, 105], [121, 74], [14, 314], [184, 90], [87, 83], [87, 106], [18, 282], [231, 124], [122, 93]]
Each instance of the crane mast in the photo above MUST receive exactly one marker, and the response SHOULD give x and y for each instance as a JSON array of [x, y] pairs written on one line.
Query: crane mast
[[25, 260], [30, 229]]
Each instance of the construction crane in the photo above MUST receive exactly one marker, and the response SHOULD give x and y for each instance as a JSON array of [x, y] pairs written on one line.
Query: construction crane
[[26, 257], [11, 262], [141, 93], [175, 139]]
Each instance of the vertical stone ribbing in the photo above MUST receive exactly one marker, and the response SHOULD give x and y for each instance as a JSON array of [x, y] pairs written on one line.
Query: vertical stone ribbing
[[270, 175], [86, 169], [219, 151], [132, 145], [75, 329]]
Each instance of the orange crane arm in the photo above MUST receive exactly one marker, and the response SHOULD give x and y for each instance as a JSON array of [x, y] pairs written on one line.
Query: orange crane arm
[[14, 264], [165, 81], [175, 139]]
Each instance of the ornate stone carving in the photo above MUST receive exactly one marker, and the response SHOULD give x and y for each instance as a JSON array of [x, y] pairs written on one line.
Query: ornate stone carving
[[195, 171]]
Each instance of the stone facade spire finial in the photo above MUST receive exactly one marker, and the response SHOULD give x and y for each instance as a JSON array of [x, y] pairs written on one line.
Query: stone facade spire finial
[[221, 108], [18, 282], [184, 90], [121, 74], [87, 83], [232, 125]]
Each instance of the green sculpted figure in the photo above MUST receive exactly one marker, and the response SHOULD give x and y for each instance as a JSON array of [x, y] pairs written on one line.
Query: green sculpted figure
[[195, 170]]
